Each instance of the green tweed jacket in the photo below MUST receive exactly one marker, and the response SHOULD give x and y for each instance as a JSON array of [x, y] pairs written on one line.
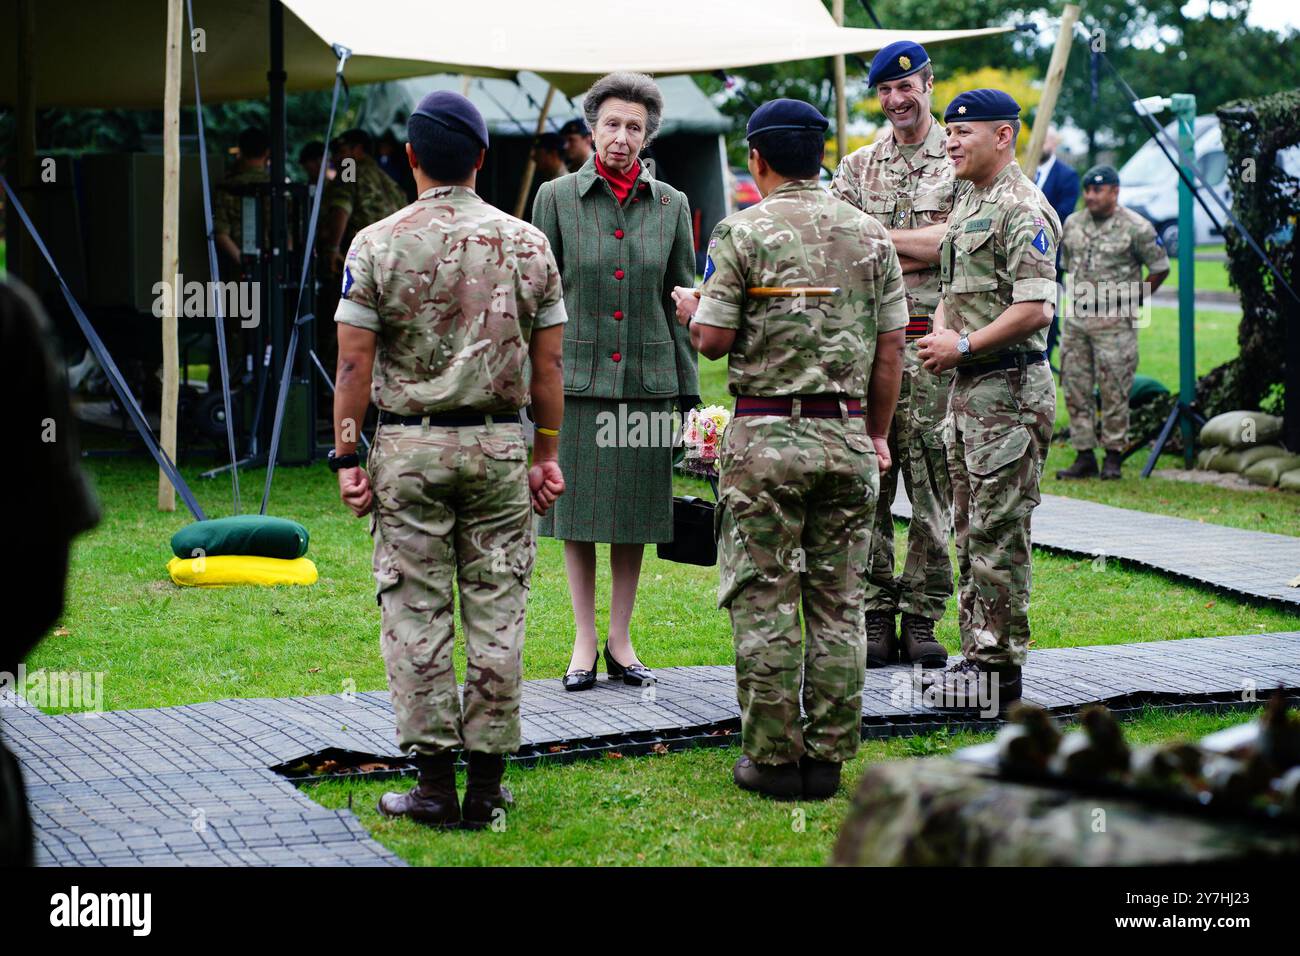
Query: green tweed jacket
[[618, 265]]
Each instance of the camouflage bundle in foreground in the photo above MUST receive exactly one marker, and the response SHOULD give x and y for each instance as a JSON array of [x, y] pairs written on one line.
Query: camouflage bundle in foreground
[[1036, 798]]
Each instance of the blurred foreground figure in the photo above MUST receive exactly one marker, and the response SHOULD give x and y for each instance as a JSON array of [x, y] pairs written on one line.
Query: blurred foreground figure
[[57, 506]]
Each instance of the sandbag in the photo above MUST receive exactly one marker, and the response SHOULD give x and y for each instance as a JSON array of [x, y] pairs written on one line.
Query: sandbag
[[232, 569], [1206, 456], [259, 535], [1228, 462], [1290, 481], [1268, 471], [1231, 429], [1248, 456]]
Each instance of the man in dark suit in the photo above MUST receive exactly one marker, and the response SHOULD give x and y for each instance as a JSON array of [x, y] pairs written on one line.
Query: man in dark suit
[[1060, 184]]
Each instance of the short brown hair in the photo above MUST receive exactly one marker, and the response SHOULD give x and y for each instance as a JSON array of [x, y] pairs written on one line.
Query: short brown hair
[[633, 87]]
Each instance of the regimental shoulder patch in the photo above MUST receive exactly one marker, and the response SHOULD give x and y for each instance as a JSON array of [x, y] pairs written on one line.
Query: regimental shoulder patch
[[1041, 242], [708, 267], [347, 279]]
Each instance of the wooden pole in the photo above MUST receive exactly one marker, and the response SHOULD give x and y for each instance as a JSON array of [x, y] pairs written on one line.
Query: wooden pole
[[1051, 89], [531, 167], [841, 104], [171, 247]]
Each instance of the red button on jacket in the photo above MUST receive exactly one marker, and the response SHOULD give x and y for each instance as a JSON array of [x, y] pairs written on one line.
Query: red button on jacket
[[617, 356], [618, 313], [618, 233], [618, 273]]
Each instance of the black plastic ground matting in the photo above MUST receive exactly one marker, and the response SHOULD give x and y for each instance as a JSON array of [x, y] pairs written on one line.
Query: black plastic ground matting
[[195, 784]]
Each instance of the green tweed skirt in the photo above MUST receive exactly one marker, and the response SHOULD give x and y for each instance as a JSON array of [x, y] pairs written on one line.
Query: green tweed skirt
[[618, 472]]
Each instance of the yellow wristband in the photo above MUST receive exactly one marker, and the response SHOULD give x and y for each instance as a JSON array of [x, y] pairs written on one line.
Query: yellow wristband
[[548, 432]]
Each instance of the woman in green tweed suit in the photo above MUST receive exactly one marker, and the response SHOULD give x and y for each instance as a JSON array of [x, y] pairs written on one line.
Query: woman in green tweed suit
[[622, 240]]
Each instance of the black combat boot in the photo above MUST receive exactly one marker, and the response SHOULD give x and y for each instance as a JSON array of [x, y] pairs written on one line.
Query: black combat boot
[[918, 642], [432, 801], [1110, 469], [821, 778], [972, 687], [781, 781], [882, 641], [1085, 466], [484, 794]]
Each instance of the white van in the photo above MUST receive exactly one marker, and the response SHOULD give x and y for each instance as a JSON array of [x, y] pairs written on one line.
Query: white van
[[1149, 183]]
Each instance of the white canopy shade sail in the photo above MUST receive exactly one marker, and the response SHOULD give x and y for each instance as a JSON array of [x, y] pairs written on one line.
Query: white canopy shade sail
[[92, 53]]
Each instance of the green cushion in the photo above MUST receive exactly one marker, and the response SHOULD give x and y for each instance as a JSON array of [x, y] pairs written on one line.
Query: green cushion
[[1268, 471], [259, 535], [1144, 389]]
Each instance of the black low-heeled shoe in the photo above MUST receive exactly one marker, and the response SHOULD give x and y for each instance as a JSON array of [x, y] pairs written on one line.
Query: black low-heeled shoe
[[582, 680], [634, 674]]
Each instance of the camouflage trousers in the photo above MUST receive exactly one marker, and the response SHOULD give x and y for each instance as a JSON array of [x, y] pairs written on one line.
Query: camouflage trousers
[[916, 444], [1105, 359], [1000, 424], [794, 523], [452, 504]]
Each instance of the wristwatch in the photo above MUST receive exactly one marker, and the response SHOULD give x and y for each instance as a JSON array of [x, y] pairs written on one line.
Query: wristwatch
[[963, 344], [339, 462]]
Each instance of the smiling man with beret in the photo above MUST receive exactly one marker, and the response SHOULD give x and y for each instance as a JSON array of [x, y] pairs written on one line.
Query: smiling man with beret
[[997, 266]]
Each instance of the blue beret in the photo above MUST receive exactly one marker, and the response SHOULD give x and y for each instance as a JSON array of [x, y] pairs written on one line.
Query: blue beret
[[897, 61], [1101, 176], [981, 105], [454, 112], [785, 114]]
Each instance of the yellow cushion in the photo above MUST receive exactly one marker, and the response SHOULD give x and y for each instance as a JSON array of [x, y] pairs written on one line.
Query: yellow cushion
[[226, 569]]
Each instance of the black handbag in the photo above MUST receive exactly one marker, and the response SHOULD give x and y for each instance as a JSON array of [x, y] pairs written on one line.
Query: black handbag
[[693, 539]]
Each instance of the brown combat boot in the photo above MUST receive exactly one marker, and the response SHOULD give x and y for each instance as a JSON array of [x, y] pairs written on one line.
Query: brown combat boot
[[821, 778], [973, 687], [432, 801], [1085, 466], [918, 642], [1111, 469], [882, 641], [781, 781], [484, 794]]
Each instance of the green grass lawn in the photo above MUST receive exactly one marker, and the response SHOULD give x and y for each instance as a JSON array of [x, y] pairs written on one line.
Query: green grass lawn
[[160, 645], [677, 809], [1210, 275]]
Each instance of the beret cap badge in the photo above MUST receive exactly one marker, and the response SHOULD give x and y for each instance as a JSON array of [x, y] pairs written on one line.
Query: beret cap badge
[[961, 109], [905, 62]]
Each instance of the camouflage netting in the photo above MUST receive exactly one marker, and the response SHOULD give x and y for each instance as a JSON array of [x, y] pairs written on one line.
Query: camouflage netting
[[1267, 201]]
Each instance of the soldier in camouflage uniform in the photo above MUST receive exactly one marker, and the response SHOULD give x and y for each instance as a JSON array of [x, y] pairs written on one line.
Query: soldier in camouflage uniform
[[1103, 248], [451, 301], [228, 198], [360, 193], [816, 380], [997, 267], [228, 234], [904, 181]]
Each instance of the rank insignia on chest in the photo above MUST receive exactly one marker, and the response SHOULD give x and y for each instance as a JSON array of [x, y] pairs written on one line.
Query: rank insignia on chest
[[1041, 242], [708, 267]]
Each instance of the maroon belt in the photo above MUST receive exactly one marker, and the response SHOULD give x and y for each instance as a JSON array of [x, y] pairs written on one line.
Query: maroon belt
[[810, 406]]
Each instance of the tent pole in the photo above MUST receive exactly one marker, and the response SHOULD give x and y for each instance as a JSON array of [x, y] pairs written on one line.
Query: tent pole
[[841, 104], [22, 251], [276, 239], [171, 248], [527, 183], [1051, 88]]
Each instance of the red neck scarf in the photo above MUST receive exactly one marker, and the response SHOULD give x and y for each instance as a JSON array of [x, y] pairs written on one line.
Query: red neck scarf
[[621, 182]]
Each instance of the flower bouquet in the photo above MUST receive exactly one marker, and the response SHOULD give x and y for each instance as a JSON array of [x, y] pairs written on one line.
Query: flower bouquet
[[702, 439]]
